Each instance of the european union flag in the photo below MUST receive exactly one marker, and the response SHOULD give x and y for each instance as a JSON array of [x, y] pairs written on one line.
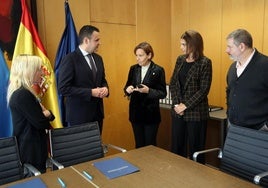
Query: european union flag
[[5, 115], [68, 43]]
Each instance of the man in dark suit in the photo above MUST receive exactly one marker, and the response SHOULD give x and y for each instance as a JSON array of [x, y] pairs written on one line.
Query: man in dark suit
[[82, 80]]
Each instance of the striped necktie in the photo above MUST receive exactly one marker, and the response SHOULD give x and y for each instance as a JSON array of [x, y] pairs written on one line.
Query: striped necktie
[[93, 66]]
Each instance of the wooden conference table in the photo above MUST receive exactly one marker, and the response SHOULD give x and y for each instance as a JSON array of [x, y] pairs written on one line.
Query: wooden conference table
[[158, 168]]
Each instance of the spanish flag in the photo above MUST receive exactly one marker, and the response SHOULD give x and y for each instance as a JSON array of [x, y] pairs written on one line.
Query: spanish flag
[[28, 42]]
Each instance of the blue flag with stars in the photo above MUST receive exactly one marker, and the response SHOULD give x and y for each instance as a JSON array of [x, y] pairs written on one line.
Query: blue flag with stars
[[68, 43]]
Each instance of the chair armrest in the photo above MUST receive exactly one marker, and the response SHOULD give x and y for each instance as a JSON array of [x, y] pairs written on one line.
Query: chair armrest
[[51, 162], [258, 177], [195, 155], [32, 169], [115, 147]]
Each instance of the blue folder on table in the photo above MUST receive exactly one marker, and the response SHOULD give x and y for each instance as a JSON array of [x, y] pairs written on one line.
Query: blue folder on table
[[115, 167], [33, 183]]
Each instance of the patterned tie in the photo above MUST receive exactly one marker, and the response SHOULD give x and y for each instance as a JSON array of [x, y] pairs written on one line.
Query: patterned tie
[[93, 66]]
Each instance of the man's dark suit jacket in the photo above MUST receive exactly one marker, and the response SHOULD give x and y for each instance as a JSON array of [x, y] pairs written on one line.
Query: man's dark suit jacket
[[195, 90], [144, 107], [75, 84]]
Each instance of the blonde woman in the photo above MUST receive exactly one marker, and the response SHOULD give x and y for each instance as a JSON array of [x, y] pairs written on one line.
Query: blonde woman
[[30, 118]]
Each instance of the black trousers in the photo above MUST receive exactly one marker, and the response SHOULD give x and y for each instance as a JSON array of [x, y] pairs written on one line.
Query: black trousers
[[188, 137], [145, 134]]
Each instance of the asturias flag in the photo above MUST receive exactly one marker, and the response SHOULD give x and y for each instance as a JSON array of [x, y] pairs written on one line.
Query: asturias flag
[[68, 43], [28, 42], [5, 116]]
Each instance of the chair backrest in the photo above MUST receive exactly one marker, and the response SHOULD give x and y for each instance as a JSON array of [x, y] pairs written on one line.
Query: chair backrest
[[10, 165], [76, 144], [245, 153]]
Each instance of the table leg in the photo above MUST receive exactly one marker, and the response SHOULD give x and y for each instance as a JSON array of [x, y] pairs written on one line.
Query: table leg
[[223, 132]]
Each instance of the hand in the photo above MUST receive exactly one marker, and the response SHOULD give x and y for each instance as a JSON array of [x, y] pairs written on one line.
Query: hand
[[45, 111], [100, 92], [180, 108], [143, 89], [103, 92], [130, 89]]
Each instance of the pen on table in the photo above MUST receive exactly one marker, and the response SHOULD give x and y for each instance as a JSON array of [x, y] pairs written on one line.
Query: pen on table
[[61, 182], [88, 175]]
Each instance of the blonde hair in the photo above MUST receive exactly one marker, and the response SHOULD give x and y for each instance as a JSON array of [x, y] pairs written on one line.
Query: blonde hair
[[22, 72]]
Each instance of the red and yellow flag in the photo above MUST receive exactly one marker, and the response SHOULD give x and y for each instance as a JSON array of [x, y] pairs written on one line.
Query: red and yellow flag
[[28, 42]]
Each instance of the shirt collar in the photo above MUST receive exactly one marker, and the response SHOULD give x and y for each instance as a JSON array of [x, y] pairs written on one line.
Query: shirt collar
[[247, 62], [85, 53]]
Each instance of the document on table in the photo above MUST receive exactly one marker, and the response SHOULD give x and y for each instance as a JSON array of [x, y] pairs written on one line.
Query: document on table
[[33, 183], [115, 167]]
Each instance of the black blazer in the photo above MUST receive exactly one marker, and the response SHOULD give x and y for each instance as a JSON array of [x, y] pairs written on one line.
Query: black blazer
[[75, 84], [29, 125], [195, 91], [144, 107]]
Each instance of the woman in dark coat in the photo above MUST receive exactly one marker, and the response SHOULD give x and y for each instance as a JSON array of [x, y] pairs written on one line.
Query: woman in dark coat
[[30, 118], [146, 84]]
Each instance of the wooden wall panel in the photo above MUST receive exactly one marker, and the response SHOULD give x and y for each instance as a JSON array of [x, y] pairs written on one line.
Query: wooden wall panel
[[153, 26], [204, 17], [117, 43], [180, 20], [114, 11], [118, 36]]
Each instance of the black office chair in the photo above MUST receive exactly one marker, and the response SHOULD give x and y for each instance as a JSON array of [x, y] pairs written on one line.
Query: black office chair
[[76, 144], [11, 168], [245, 154]]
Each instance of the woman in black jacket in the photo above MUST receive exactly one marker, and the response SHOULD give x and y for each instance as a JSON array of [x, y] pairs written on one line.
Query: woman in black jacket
[[30, 118], [146, 84]]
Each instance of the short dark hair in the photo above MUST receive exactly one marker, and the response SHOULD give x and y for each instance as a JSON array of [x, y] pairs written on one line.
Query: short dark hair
[[146, 47], [86, 31], [241, 36], [194, 43]]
